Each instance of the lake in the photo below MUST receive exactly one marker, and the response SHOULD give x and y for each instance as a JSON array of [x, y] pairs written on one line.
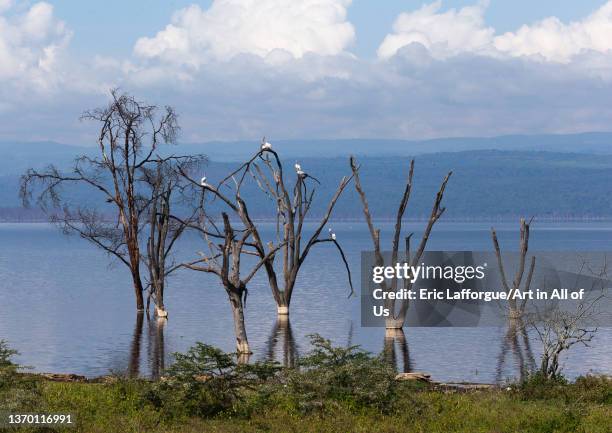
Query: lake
[[68, 309]]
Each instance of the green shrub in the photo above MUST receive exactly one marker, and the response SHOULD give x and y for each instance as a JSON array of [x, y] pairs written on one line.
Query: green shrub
[[205, 382], [595, 389], [17, 392], [346, 375]]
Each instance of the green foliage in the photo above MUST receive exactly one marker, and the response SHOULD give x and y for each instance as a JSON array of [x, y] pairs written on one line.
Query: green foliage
[[335, 389], [205, 382], [594, 389], [17, 392], [332, 374], [117, 407], [5, 356]]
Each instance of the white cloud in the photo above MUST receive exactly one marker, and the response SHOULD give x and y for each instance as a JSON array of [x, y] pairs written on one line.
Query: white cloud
[[454, 32], [559, 42], [443, 33], [259, 27], [281, 68], [30, 44]]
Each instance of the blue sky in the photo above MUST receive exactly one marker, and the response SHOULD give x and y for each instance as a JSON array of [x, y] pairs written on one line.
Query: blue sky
[[131, 19], [240, 69]]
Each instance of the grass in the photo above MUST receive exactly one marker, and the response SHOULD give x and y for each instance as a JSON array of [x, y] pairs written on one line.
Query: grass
[[335, 389], [119, 407]]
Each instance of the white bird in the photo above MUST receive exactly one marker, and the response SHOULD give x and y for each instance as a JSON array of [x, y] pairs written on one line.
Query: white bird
[[298, 170], [203, 181], [332, 234], [266, 146]]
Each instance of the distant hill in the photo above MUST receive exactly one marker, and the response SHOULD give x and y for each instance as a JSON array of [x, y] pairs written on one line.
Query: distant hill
[[592, 142], [17, 157], [485, 184]]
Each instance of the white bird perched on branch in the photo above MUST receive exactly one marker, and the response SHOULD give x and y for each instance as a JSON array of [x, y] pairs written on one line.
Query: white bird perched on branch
[[298, 169], [203, 181], [265, 145], [332, 234]]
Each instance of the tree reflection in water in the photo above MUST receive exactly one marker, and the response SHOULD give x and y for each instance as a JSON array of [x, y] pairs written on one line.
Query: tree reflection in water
[[282, 335], [396, 339], [516, 341], [155, 346]]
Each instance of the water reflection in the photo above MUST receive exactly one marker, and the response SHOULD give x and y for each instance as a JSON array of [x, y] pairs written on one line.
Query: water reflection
[[155, 345], [516, 342], [395, 350], [67, 338], [282, 340], [134, 361]]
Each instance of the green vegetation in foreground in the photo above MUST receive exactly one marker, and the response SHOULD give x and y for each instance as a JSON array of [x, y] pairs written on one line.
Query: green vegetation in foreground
[[334, 390]]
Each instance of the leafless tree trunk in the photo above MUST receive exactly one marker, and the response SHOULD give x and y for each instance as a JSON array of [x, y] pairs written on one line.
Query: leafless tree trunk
[[515, 310], [165, 180], [292, 209], [559, 330], [224, 261], [397, 319], [130, 133]]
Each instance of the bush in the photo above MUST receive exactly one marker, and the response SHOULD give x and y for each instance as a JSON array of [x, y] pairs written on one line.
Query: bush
[[596, 389], [345, 375], [17, 392], [205, 382]]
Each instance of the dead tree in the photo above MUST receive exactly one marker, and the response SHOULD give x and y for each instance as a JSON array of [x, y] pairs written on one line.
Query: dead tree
[[164, 179], [516, 338], [292, 209], [559, 330], [224, 259], [516, 310], [397, 319], [130, 133]]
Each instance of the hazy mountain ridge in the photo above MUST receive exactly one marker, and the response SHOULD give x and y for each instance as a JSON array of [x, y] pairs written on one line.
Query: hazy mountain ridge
[[485, 184], [17, 157]]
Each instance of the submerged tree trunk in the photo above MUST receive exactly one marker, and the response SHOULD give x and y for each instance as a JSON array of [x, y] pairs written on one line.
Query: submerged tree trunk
[[160, 309], [242, 342], [282, 303]]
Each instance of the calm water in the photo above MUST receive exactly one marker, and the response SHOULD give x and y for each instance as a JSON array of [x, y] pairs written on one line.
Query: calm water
[[67, 310]]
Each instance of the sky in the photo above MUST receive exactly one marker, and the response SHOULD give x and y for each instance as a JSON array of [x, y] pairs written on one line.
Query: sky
[[240, 69]]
